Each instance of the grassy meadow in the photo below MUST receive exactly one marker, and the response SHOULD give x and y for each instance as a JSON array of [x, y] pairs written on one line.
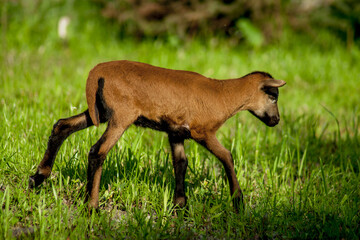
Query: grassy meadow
[[300, 179]]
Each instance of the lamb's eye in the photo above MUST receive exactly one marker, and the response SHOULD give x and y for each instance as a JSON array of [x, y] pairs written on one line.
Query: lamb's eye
[[272, 93], [272, 99]]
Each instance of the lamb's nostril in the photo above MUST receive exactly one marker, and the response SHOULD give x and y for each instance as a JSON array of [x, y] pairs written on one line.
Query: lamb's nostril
[[273, 121]]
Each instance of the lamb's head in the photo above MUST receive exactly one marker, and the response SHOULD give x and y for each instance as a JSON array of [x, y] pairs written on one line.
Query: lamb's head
[[264, 101]]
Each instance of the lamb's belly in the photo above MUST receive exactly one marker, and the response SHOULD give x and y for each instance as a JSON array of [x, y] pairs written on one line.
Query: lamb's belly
[[176, 130]]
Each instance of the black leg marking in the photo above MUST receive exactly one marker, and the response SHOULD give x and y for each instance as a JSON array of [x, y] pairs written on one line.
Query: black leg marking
[[180, 164], [61, 130]]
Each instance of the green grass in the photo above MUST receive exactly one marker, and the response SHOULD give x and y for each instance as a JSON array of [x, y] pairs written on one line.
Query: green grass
[[300, 179]]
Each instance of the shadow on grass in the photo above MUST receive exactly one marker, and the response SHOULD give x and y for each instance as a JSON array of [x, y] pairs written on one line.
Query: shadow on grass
[[144, 165], [334, 143]]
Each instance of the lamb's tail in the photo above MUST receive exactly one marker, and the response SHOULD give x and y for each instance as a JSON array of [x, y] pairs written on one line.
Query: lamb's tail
[[93, 88]]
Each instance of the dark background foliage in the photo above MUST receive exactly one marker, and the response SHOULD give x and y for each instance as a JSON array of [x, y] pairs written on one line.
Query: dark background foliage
[[256, 22], [186, 18]]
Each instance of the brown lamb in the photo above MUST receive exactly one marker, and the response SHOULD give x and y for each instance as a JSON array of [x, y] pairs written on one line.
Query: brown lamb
[[185, 105]]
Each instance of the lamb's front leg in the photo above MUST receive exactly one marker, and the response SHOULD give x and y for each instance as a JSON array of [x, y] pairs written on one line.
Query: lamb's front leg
[[180, 163], [224, 155]]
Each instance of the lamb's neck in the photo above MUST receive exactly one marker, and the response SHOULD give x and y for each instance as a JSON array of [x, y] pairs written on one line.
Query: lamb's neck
[[237, 95]]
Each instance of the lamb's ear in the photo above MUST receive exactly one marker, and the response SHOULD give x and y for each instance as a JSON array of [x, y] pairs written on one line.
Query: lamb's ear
[[273, 83]]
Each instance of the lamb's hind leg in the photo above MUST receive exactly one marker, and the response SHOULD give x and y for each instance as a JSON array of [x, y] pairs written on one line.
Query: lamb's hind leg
[[96, 159], [61, 130]]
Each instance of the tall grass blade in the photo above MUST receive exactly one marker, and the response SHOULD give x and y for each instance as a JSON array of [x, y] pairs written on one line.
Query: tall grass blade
[[302, 162], [323, 177]]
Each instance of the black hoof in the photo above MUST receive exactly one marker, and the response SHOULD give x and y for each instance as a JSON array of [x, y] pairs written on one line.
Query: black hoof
[[35, 180]]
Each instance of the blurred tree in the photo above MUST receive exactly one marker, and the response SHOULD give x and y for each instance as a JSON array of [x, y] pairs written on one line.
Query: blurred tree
[[339, 16], [256, 21], [192, 17], [344, 17]]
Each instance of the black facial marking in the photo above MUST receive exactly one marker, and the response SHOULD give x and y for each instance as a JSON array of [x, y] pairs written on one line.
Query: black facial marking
[[272, 91], [104, 111], [270, 121]]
